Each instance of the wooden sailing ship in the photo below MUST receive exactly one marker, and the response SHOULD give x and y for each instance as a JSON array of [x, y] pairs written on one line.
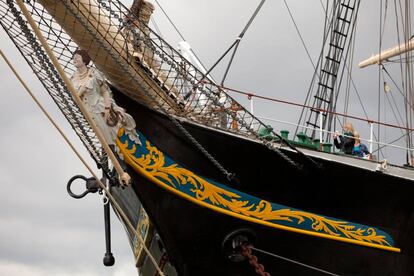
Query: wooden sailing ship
[[210, 194]]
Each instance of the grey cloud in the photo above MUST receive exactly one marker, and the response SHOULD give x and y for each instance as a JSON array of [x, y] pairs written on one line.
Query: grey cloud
[[67, 235]]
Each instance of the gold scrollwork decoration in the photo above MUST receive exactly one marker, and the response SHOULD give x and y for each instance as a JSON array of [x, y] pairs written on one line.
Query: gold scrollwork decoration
[[154, 164]]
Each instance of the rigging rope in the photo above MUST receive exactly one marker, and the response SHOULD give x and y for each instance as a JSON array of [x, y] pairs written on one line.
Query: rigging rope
[[349, 53], [240, 37], [406, 78], [300, 35], [410, 79], [123, 176], [234, 44], [229, 175], [349, 49], [240, 121], [177, 30], [41, 65], [316, 76], [293, 261], [383, 145], [102, 186], [349, 71], [171, 22], [401, 63], [47, 74], [379, 71], [307, 106], [246, 251], [399, 118], [158, 31]]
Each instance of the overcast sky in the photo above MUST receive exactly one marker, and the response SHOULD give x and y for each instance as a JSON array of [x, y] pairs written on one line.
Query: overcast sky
[[45, 232]]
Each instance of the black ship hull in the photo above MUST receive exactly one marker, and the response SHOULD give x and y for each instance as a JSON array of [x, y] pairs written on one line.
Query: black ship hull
[[335, 213], [196, 237]]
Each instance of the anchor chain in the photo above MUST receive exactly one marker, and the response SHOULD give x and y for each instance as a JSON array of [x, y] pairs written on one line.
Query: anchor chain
[[171, 117], [61, 97], [214, 99], [162, 262], [162, 55], [246, 251]]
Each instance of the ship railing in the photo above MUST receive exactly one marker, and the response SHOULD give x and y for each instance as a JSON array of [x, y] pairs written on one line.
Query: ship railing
[[377, 148], [190, 92], [151, 70], [368, 141], [133, 57], [168, 81], [199, 99]]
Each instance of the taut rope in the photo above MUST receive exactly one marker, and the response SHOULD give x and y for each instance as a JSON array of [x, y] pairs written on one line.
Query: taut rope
[[101, 185], [124, 177]]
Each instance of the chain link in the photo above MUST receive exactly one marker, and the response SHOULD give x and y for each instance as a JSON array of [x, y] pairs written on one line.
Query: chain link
[[258, 267], [54, 85], [162, 262], [152, 97], [166, 56], [148, 43], [214, 99]]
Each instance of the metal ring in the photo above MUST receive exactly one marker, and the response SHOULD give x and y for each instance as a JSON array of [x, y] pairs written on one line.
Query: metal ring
[[70, 183]]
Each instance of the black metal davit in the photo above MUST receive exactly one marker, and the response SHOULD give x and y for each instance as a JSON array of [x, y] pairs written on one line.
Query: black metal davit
[[91, 186]]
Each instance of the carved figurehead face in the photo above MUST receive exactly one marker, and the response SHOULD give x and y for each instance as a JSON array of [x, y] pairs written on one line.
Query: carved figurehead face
[[78, 61], [81, 58]]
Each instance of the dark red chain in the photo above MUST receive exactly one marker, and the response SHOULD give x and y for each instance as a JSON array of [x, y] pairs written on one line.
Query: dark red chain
[[258, 267], [162, 263]]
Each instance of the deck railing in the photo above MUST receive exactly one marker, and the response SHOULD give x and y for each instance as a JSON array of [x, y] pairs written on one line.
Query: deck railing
[[365, 126], [166, 80]]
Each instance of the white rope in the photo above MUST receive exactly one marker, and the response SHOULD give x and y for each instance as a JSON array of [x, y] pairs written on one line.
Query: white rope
[[102, 186]]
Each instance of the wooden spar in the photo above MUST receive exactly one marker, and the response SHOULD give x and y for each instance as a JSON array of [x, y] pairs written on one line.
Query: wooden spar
[[389, 53], [124, 177], [92, 30]]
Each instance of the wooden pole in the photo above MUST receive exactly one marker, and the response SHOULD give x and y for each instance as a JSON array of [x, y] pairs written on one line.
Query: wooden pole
[[124, 177], [389, 53]]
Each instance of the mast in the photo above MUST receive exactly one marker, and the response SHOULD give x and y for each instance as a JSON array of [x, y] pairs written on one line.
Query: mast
[[338, 35], [389, 53], [403, 50]]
